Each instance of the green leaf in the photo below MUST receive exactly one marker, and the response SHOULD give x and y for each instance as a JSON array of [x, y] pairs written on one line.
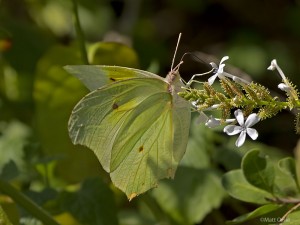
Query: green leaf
[[195, 156], [132, 217], [199, 146], [237, 186], [93, 204], [12, 141], [288, 166], [9, 171], [254, 214], [3, 218], [55, 93], [286, 178], [258, 171], [112, 53], [293, 218], [191, 196]]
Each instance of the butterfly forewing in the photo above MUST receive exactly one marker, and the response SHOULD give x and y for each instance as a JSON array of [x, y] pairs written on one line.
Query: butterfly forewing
[[98, 117], [95, 76], [138, 129]]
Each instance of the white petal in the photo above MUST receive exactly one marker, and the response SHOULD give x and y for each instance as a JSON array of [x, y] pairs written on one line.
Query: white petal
[[229, 120], [239, 116], [211, 80], [212, 122], [241, 139], [252, 133], [221, 69], [284, 87], [251, 120], [215, 106], [239, 80], [273, 65], [224, 59], [232, 129], [194, 103]]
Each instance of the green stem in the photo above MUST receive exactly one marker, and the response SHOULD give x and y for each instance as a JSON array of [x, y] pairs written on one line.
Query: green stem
[[27, 203], [80, 34]]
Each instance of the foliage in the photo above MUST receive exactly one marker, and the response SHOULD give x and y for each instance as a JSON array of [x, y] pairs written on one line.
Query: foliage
[[45, 179]]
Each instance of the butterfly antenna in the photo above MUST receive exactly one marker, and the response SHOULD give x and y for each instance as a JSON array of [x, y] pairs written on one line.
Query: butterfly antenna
[[179, 37]]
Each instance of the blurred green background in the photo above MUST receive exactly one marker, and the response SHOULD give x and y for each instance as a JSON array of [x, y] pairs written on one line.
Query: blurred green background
[[37, 38]]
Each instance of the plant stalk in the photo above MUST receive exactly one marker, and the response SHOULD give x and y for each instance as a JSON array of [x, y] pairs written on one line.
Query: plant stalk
[[80, 34], [27, 203]]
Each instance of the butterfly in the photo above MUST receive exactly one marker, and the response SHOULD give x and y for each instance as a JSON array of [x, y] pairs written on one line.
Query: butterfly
[[133, 121]]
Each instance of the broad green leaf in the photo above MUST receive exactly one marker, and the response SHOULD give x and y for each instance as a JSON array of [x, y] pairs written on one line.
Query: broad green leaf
[[237, 186], [9, 171], [285, 186], [55, 93], [293, 218], [196, 155], [137, 127], [263, 210], [3, 218], [92, 204], [297, 161], [191, 196], [288, 166], [66, 219], [132, 217], [107, 53], [12, 141], [112, 53], [258, 171], [229, 157], [286, 178], [199, 146]]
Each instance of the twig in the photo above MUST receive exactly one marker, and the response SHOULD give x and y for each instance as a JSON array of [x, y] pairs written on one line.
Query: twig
[[27, 203], [288, 212], [80, 34]]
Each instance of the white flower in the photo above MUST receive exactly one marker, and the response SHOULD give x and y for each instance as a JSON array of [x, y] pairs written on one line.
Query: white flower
[[274, 66], [219, 71], [243, 128], [284, 87], [214, 122]]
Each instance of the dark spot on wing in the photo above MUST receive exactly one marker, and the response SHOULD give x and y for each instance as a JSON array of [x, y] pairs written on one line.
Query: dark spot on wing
[[141, 148], [112, 79], [115, 106]]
